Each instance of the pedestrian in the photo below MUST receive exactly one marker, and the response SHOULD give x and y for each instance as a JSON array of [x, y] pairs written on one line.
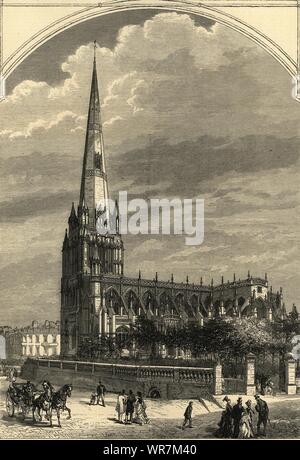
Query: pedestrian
[[131, 399], [245, 428], [263, 415], [225, 424], [237, 412], [121, 405], [250, 412], [140, 416], [188, 416], [101, 390]]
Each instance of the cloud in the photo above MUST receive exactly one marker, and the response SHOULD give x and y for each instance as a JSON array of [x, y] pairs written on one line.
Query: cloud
[[20, 209], [209, 158], [148, 245], [36, 296], [46, 125]]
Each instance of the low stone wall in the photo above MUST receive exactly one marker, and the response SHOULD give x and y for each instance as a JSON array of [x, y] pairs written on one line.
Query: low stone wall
[[168, 382]]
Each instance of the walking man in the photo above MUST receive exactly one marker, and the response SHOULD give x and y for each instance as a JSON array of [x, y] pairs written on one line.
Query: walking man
[[101, 390], [236, 414], [263, 415], [131, 399], [188, 416]]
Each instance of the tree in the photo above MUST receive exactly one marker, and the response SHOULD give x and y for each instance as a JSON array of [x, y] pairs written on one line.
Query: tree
[[146, 335]]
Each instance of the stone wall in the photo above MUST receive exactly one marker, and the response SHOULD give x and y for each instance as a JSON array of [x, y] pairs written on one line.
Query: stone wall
[[168, 382]]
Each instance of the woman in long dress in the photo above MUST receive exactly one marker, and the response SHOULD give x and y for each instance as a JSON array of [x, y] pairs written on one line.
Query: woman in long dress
[[246, 423], [121, 406], [140, 410], [225, 425]]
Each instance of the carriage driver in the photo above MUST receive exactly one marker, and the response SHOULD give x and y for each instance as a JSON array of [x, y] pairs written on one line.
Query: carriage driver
[[46, 384]]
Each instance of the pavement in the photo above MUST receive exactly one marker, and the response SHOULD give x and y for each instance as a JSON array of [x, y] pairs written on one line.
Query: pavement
[[97, 422]]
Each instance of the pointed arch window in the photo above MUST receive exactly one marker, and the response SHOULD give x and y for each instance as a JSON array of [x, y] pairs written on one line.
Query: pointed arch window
[[98, 161]]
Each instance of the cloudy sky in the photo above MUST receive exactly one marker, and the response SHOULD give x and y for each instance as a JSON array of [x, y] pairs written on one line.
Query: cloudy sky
[[190, 109]]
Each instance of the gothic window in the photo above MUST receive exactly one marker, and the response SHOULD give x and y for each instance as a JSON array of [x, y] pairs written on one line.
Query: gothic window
[[194, 303], [241, 301], [97, 161], [180, 303], [228, 305], [166, 305], [217, 308], [149, 301], [73, 337], [259, 289], [85, 320], [122, 334], [261, 308], [133, 303], [115, 302], [202, 309]]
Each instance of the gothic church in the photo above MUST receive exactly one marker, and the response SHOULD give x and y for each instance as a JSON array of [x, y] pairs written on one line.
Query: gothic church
[[98, 299]]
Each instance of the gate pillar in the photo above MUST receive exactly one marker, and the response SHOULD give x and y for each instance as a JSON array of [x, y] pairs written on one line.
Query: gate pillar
[[218, 390], [250, 375], [290, 375]]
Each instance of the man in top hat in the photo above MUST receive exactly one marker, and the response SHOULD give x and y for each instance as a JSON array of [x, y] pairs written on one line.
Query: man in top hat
[[237, 412], [263, 414]]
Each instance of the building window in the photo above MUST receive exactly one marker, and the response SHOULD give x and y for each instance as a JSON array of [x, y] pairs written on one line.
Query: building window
[[122, 334], [259, 289], [97, 161]]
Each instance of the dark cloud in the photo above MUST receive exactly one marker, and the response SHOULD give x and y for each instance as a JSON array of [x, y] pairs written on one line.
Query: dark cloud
[[20, 209], [201, 160]]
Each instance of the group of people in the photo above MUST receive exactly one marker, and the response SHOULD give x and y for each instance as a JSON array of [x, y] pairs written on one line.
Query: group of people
[[238, 421], [129, 408]]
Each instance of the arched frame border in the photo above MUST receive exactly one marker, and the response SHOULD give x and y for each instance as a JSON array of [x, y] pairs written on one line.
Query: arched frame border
[[103, 9]]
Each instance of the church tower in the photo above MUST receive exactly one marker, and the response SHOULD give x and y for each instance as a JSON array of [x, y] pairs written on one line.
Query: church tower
[[90, 249]]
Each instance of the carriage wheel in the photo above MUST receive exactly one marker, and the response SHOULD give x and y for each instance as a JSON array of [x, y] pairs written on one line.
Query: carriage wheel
[[10, 407]]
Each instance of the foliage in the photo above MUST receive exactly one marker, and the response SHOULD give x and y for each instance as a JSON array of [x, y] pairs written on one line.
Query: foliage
[[287, 328], [225, 338], [146, 335], [96, 347]]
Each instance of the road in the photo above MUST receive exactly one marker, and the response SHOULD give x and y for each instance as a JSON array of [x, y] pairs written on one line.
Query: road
[[97, 422]]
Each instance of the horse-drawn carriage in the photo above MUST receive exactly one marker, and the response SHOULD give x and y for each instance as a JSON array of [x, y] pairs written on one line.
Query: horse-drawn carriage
[[17, 400], [25, 398]]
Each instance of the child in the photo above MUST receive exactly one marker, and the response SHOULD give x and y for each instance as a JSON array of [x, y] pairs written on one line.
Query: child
[[93, 399]]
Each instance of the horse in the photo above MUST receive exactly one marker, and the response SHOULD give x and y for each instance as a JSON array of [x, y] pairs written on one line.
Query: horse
[[59, 401], [43, 402]]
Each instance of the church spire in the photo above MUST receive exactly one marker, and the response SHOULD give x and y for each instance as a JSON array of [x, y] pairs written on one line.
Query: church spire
[[94, 190]]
